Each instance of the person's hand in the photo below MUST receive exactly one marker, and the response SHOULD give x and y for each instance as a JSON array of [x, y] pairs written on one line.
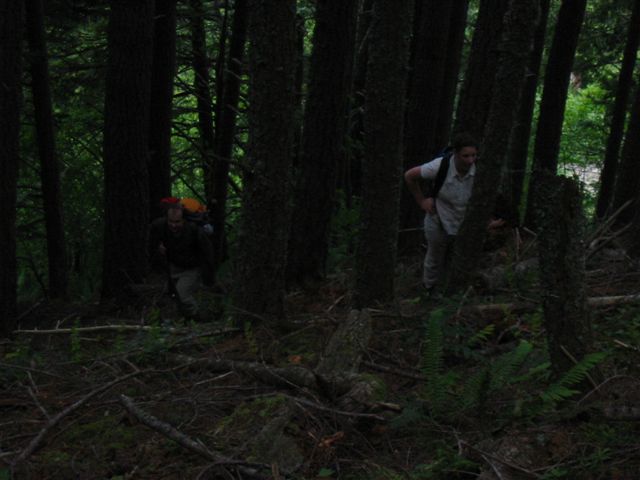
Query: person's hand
[[428, 205], [496, 223], [162, 250]]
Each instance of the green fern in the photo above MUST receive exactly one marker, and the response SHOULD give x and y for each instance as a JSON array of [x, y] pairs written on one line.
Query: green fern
[[560, 390], [507, 365], [435, 391]]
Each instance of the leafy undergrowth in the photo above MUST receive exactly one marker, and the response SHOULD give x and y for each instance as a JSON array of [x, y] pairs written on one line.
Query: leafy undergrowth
[[462, 393]]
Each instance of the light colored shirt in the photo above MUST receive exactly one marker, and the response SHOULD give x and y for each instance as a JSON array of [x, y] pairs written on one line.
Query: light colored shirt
[[453, 197]]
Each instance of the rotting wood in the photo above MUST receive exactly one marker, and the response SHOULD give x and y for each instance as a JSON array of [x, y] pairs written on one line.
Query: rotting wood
[[119, 328]]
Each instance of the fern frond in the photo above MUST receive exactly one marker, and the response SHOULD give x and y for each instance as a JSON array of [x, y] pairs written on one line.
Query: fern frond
[[560, 390], [435, 391], [506, 366]]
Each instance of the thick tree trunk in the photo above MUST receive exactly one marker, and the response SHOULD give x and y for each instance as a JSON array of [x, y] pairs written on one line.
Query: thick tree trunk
[[351, 177], [519, 26], [126, 155], [11, 12], [625, 82], [225, 132], [163, 71], [383, 127], [457, 28], [554, 95], [519, 141], [49, 165], [562, 270], [426, 83], [477, 89], [628, 181], [204, 103], [323, 138], [265, 216]]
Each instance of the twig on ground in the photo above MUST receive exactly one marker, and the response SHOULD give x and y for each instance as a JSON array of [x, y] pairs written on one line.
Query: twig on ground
[[187, 442], [37, 440]]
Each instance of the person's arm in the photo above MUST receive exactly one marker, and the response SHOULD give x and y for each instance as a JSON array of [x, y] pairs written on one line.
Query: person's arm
[[413, 179]]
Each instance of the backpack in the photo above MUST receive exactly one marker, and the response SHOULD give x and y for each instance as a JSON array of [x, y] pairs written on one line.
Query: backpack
[[193, 211], [446, 154]]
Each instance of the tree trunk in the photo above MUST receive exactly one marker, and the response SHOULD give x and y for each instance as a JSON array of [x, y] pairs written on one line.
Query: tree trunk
[[519, 141], [477, 89], [351, 178], [126, 155], [562, 270], [519, 27], [323, 138], [11, 12], [457, 27], [625, 82], [383, 131], [163, 71], [49, 166], [265, 216], [225, 132], [430, 53], [204, 103], [629, 174], [554, 95]]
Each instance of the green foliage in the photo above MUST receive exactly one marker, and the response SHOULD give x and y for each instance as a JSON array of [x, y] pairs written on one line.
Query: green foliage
[[561, 389]]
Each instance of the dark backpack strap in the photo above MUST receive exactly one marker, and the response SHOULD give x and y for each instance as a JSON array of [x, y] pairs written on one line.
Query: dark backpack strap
[[442, 173]]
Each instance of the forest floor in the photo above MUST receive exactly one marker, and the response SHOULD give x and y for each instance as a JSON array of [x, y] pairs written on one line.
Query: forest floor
[[461, 388]]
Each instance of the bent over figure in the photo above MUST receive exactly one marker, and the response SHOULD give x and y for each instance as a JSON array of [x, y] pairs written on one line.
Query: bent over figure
[[445, 209], [188, 254]]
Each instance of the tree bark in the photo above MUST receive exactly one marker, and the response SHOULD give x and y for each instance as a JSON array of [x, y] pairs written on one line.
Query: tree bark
[[49, 165], [225, 132], [323, 138], [458, 24], [204, 102], [519, 26], [126, 155], [265, 216], [625, 82], [521, 133], [562, 270], [426, 84], [629, 174], [383, 131], [554, 95], [11, 13], [478, 86], [163, 71]]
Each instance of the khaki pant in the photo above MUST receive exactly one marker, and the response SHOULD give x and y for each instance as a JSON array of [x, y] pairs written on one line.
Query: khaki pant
[[186, 282], [438, 243]]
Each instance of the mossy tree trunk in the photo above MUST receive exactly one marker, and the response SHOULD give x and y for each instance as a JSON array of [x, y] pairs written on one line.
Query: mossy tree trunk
[[478, 87], [323, 139], [619, 114], [265, 214], [561, 249], [519, 27], [382, 168], [126, 144], [425, 85]]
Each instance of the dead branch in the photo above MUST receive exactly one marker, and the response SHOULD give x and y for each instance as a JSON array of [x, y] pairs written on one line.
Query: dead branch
[[37, 440], [506, 308], [187, 442], [119, 328]]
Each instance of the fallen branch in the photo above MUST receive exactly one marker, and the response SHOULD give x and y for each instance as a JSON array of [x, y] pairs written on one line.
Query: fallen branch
[[529, 306], [118, 328], [37, 440], [187, 442]]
